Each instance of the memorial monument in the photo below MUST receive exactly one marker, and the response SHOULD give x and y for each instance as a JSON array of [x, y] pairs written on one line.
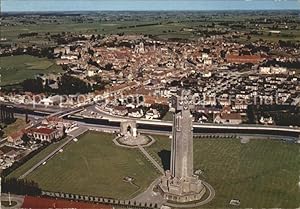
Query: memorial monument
[[130, 135], [180, 184]]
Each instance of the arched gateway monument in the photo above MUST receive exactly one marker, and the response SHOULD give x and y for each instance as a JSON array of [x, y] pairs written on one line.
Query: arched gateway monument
[[180, 184], [130, 136]]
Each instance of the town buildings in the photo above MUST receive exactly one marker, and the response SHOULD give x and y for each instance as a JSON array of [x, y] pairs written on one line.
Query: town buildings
[[131, 74]]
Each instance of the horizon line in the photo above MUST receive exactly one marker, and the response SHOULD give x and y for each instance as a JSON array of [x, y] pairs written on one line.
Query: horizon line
[[161, 10]]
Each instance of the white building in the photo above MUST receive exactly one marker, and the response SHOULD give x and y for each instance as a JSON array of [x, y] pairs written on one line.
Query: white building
[[45, 134]]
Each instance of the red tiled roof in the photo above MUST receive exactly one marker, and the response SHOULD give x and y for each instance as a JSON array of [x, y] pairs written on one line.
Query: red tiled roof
[[120, 108], [17, 134], [43, 130], [231, 116], [40, 203], [155, 99], [55, 119], [244, 58]]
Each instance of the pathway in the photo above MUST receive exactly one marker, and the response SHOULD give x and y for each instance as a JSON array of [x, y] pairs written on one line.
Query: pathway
[[73, 134], [151, 159], [149, 196]]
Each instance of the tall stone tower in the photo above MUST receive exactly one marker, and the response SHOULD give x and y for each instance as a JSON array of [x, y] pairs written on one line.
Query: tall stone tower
[[182, 136], [180, 184]]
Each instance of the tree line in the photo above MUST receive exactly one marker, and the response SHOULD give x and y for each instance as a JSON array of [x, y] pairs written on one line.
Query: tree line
[[66, 85], [20, 187]]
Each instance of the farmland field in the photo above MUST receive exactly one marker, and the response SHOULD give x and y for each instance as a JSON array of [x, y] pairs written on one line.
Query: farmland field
[[15, 69], [166, 25]]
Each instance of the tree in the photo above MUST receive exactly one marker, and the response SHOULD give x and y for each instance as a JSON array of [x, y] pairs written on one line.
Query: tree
[[108, 66], [25, 138], [163, 109], [90, 51], [20, 187], [33, 85], [1, 133], [72, 85], [93, 38]]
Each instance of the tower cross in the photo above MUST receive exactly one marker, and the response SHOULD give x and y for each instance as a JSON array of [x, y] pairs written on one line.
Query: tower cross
[[184, 101]]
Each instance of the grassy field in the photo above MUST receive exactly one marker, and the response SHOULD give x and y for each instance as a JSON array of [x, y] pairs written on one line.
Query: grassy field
[[163, 30], [16, 126], [261, 173], [37, 158], [162, 26], [15, 69], [95, 166]]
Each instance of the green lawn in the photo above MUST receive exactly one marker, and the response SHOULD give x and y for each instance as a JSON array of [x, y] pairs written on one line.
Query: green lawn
[[161, 146], [37, 158], [15, 69], [261, 173], [95, 165]]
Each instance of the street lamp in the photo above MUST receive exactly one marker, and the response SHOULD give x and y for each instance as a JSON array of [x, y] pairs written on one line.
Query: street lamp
[[9, 199]]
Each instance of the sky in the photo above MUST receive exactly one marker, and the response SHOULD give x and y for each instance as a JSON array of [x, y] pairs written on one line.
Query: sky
[[145, 5]]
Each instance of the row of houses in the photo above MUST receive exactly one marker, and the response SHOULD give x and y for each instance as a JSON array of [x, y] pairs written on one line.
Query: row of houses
[[50, 129]]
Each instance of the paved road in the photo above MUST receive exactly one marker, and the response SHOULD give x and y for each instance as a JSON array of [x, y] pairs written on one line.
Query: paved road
[[238, 128], [115, 128], [168, 133], [71, 136], [151, 159], [287, 131], [149, 196]]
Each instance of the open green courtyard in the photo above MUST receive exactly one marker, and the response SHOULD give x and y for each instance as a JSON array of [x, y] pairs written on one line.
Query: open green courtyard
[[96, 166], [261, 173], [15, 69]]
